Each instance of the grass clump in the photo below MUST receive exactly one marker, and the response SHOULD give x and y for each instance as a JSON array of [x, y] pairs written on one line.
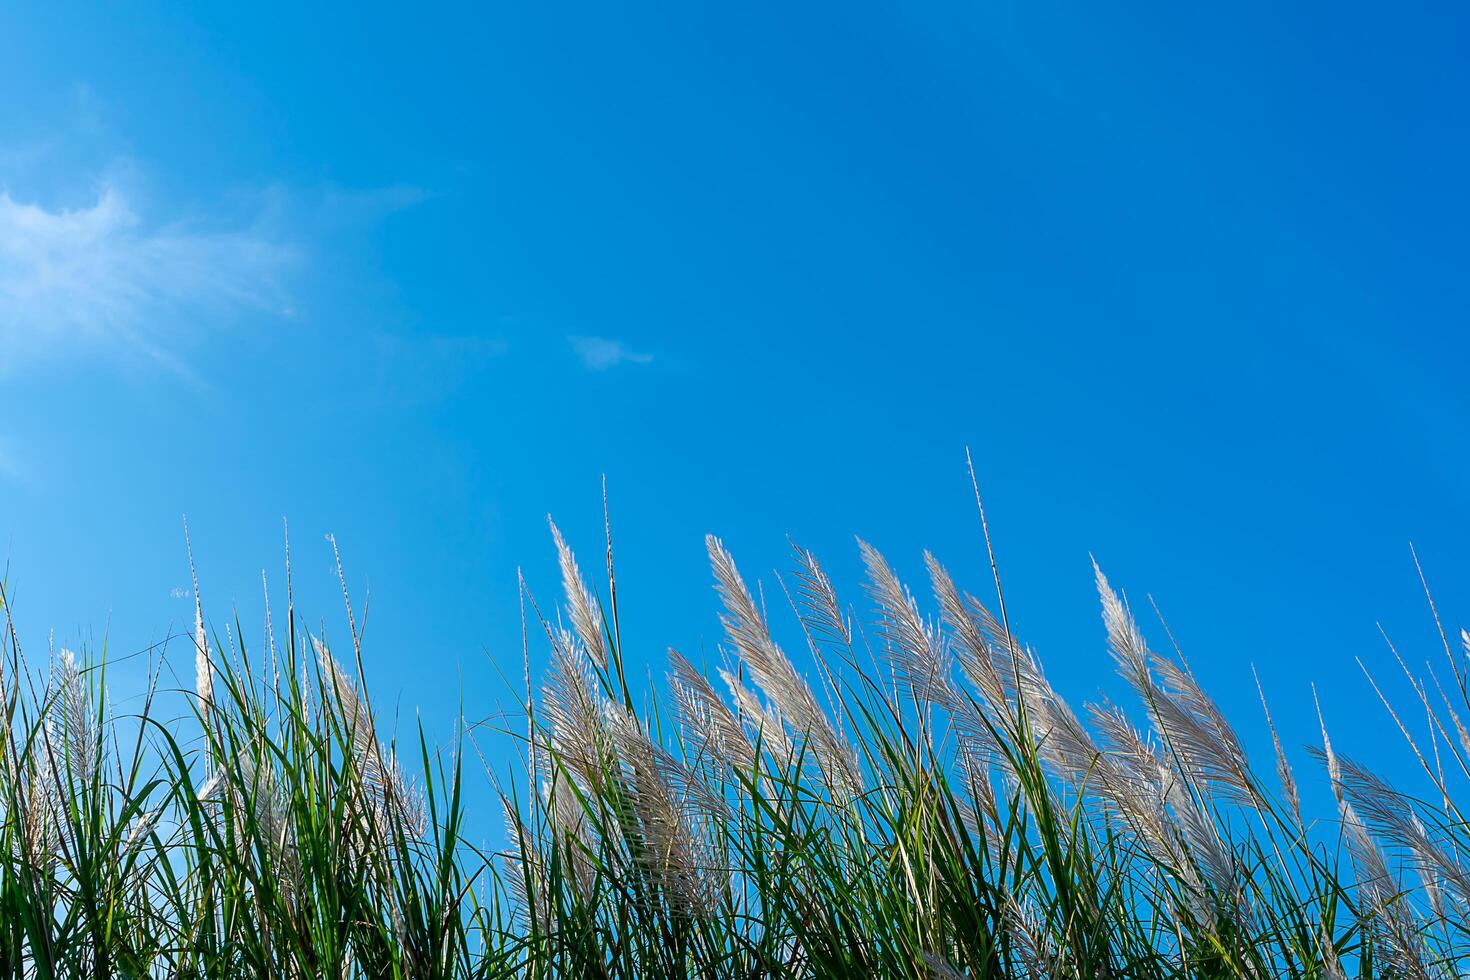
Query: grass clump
[[920, 802]]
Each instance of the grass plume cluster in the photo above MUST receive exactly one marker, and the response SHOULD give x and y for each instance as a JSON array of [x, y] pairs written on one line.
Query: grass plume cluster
[[914, 800]]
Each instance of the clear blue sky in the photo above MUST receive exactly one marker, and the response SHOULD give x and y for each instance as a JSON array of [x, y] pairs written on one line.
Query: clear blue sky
[[1190, 280]]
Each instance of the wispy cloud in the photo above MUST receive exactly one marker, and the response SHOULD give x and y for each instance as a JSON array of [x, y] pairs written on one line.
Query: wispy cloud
[[99, 275], [600, 353]]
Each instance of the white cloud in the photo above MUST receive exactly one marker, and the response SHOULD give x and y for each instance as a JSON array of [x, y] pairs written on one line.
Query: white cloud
[[100, 276], [600, 353]]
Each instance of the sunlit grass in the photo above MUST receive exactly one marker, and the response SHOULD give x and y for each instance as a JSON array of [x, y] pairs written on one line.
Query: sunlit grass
[[918, 801]]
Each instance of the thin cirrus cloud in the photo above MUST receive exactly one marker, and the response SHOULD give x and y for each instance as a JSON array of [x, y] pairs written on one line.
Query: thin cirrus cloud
[[99, 276], [601, 353]]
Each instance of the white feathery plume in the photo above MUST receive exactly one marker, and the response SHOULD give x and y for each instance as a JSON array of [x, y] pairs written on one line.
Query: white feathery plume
[[977, 734], [392, 796], [1381, 897], [1375, 881], [211, 788], [980, 805], [569, 817], [1203, 745], [1210, 854], [778, 679], [260, 790], [1135, 758], [1007, 677], [1377, 887], [1197, 722], [1283, 768], [526, 875], [675, 849], [574, 714], [1143, 787], [1332, 965], [69, 755], [354, 712], [581, 604], [1434, 881], [697, 795], [203, 671], [767, 724], [42, 801], [1038, 953], [705, 720], [79, 737], [142, 826], [1004, 648], [1149, 795], [916, 649], [1124, 640], [978, 656], [245, 786], [819, 600], [1060, 737], [1334, 773], [1389, 815], [406, 797], [1138, 781]]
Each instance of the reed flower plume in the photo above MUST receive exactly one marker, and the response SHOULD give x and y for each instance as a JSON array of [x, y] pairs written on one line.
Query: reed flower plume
[[672, 807], [526, 877], [80, 740], [203, 670], [39, 796], [1201, 743], [564, 802], [705, 721], [1379, 893], [917, 651], [777, 678], [973, 632], [1391, 817], [574, 712], [392, 798], [585, 613], [1284, 774], [823, 613], [770, 730]]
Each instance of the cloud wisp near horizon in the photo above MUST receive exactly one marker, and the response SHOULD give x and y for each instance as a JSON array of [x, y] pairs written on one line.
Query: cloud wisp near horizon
[[604, 353], [104, 277]]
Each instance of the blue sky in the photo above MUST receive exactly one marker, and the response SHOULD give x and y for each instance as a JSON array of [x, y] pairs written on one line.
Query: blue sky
[[1189, 282]]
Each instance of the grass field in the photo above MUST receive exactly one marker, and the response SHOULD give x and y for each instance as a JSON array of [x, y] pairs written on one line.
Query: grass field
[[919, 802]]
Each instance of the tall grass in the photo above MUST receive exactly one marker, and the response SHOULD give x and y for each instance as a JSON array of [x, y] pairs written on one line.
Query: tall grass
[[915, 800]]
